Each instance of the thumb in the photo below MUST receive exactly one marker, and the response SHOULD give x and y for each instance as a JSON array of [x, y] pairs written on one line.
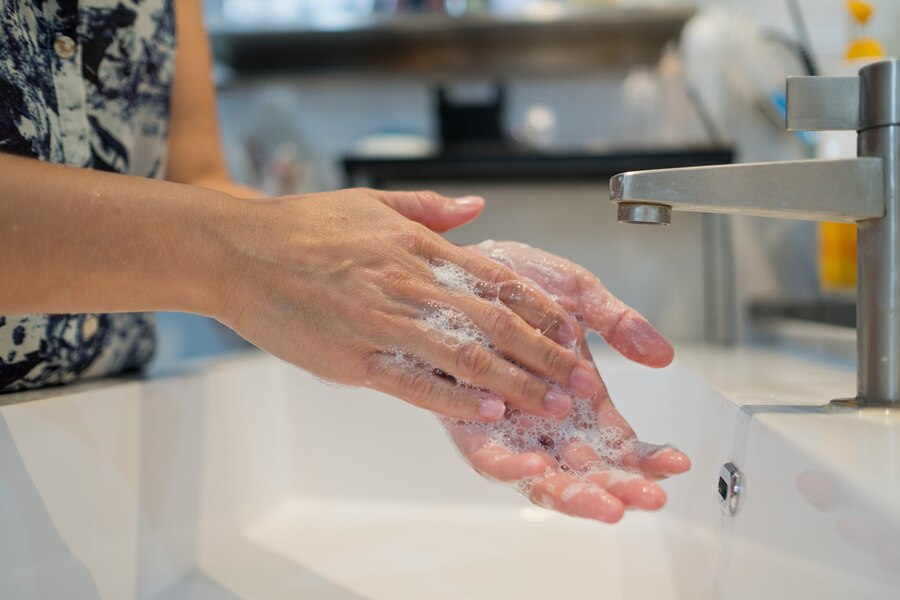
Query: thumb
[[626, 330], [434, 211]]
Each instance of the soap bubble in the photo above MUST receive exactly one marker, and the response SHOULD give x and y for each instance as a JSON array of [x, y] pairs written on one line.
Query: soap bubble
[[608, 448]]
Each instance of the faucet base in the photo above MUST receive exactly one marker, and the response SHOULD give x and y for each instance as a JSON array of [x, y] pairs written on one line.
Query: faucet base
[[860, 403]]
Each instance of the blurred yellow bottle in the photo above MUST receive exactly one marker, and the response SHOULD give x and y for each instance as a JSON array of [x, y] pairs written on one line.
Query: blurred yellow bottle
[[837, 257], [837, 241], [862, 46]]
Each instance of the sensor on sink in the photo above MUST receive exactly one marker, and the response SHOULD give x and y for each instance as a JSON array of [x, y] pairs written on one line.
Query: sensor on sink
[[731, 485]]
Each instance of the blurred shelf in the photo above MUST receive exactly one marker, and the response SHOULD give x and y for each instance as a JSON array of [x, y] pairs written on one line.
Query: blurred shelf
[[510, 163], [571, 40]]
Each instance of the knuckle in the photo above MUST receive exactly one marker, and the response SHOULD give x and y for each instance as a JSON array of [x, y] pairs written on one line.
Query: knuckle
[[616, 324], [556, 361], [373, 365], [502, 325], [514, 292], [530, 389], [415, 239], [356, 195], [548, 321], [494, 273], [396, 277], [400, 284], [417, 386], [361, 191], [553, 329], [429, 197], [474, 361]]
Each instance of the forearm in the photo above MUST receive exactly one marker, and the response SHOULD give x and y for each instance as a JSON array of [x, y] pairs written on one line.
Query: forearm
[[223, 183], [74, 240]]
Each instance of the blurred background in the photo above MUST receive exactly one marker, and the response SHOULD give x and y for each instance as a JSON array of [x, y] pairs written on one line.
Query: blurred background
[[534, 104]]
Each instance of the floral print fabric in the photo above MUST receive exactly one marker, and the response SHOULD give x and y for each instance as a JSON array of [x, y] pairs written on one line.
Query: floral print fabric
[[84, 84]]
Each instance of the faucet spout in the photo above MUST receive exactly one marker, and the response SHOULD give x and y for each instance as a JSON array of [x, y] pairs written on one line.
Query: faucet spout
[[863, 190], [848, 190]]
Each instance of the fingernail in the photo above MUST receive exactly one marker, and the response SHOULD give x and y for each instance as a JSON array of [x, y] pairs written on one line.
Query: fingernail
[[469, 201], [565, 336], [582, 382], [491, 408], [557, 403]]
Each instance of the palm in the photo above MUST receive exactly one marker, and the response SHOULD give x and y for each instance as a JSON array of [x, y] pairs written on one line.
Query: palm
[[591, 464]]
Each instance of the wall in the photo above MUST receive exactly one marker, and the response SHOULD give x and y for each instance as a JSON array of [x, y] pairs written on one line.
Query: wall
[[321, 118], [775, 258], [325, 116], [826, 21]]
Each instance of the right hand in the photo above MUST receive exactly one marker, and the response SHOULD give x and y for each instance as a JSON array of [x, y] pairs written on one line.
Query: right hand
[[340, 284]]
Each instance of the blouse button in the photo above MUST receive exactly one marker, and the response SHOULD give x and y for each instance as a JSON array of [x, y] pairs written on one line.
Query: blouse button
[[64, 46]]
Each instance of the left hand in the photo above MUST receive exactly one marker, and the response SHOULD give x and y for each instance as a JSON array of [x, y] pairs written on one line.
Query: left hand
[[603, 469], [596, 469]]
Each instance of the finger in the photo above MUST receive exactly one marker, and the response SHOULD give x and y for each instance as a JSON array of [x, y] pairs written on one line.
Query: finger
[[494, 460], [657, 462], [437, 212], [666, 463], [623, 328], [480, 267], [617, 444], [606, 451], [524, 332], [537, 309], [477, 366], [501, 464], [580, 456], [578, 498], [632, 489], [517, 338], [580, 292], [419, 384], [617, 448], [512, 336]]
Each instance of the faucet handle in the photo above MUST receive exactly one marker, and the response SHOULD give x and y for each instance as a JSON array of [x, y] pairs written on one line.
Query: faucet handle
[[823, 103]]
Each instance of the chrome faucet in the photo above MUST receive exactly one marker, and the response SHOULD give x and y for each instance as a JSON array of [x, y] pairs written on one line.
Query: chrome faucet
[[863, 190]]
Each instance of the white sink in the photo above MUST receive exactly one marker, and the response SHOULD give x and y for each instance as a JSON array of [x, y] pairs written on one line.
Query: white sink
[[246, 478]]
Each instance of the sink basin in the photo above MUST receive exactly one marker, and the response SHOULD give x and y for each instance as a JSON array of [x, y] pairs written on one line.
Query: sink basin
[[247, 478]]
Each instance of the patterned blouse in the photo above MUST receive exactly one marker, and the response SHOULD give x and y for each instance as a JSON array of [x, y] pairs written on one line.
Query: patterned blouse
[[84, 83]]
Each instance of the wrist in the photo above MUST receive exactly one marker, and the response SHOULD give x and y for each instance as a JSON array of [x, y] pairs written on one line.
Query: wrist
[[207, 280]]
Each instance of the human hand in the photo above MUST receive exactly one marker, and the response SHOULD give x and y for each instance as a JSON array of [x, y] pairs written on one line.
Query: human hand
[[349, 289], [591, 464], [581, 294]]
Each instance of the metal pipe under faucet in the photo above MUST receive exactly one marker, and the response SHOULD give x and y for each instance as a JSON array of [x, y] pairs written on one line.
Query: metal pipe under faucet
[[878, 277], [864, 190]]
